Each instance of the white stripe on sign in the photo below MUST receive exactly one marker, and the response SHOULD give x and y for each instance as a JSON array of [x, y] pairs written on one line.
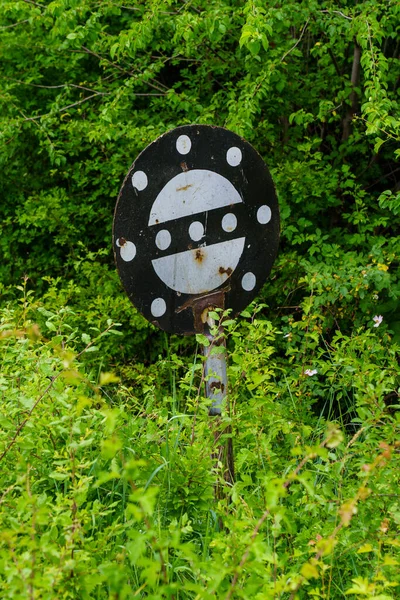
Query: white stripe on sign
[[190, 193], [202, 269]]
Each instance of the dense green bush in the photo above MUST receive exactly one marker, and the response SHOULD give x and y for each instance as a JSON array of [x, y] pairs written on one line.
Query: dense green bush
[[109, 484], [314, 86], [108, 490]]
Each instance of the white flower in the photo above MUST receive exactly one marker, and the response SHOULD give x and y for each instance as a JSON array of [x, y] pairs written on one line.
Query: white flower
[[310, 372], [377, 320], [375, 297], [287, 335]]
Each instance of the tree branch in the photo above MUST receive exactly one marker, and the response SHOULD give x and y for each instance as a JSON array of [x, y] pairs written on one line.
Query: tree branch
[[35, 3], [46, 391], [334, 62], [24, 422], [131, 73], [62, 109], [14, 24], [246, 554], [62, 85], [297, 43], [338, 12], [352, 109]]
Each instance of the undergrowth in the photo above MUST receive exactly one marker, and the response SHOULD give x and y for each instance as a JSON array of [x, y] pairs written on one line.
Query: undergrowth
[[109, 485]]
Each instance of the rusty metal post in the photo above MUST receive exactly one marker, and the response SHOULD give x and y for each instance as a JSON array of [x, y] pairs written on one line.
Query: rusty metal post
[[216, 388], [216, 382]]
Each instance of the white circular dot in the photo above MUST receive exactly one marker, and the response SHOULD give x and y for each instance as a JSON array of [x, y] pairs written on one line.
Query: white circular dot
[[158, 307], [264, 214], [196, 231], [139, 180], [128, 250], [229, 222], [248, 281], [234, 156], [163, 239], [183, 144]]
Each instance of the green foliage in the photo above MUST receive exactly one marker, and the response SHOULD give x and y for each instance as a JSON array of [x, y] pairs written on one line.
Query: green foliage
[[109, 485], [107, 490]]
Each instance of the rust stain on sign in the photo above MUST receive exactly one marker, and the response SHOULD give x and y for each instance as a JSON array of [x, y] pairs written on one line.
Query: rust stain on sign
[[227, 271], [201, 305], [199, 256], [184, 187]]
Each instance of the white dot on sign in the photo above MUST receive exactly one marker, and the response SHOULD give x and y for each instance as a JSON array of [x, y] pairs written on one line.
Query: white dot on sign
[[229, 222], [163, 239], [183, 144], [264, 214], [139, 180], [128, 250], [234, 156], [196, 231], [158, 307], [248, 281]]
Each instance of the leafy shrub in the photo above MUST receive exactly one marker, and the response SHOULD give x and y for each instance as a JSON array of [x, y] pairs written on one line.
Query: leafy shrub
[[108, 489]]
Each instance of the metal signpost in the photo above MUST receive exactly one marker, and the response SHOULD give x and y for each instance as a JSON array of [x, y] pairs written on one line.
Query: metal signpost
[[196, 227]]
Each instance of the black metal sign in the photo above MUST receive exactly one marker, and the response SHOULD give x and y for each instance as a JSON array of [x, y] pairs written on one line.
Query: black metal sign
[[196, 226]]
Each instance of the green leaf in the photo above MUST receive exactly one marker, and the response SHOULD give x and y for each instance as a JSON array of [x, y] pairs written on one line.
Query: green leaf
[[59, 476]]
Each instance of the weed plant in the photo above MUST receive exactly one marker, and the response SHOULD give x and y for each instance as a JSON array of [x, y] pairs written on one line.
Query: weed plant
[[109, 486]]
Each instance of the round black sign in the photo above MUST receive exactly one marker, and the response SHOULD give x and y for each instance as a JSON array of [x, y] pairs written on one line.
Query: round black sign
[[196, 226]]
